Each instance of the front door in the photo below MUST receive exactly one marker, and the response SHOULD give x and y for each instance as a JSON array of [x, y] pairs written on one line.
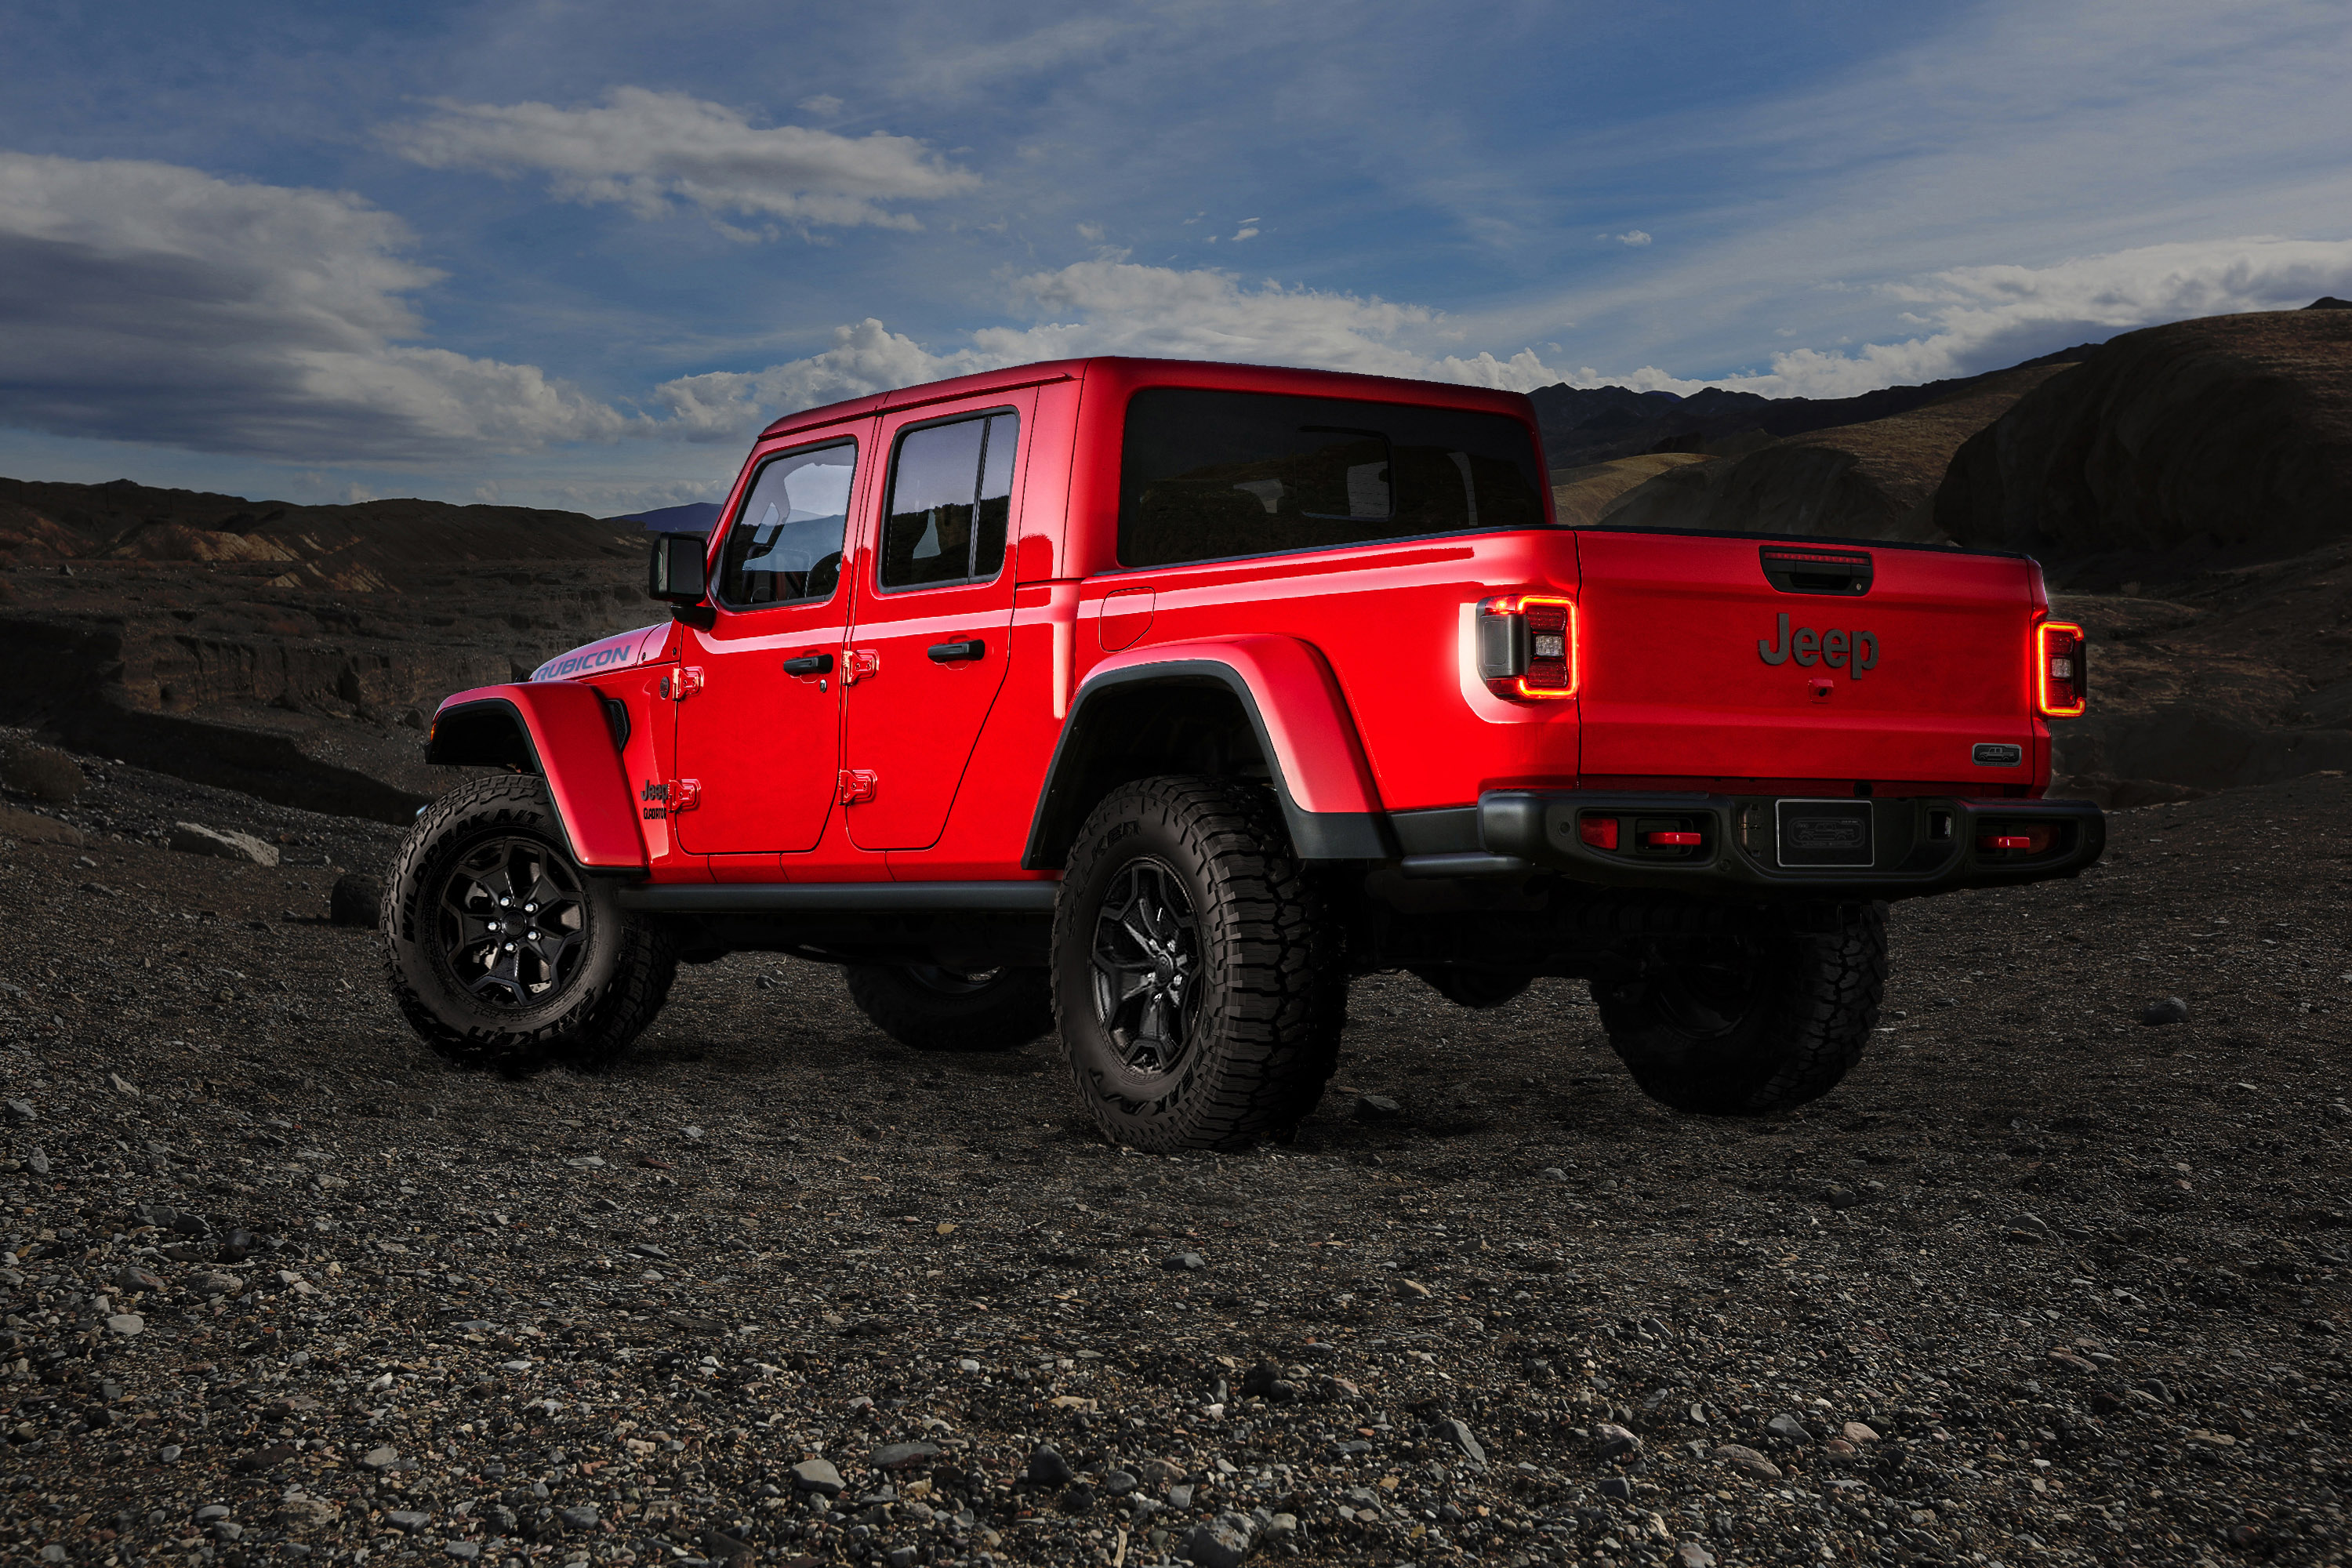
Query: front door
[[759, 715], [932, 639]]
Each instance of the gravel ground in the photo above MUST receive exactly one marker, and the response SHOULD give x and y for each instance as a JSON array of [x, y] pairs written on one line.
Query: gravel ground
[[2041, 1283]]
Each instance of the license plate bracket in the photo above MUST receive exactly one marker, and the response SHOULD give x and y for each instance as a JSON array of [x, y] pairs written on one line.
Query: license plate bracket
[[1813, 835]]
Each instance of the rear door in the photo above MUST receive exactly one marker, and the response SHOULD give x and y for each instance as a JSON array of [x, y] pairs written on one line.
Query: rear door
[[1734, 657], [930, 641], [758, 716]]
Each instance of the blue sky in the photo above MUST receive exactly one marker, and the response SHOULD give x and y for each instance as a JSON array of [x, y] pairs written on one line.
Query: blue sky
[[571, 254]]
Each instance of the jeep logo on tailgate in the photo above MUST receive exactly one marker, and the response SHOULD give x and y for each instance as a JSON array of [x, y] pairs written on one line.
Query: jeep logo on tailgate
[[1852, 652]]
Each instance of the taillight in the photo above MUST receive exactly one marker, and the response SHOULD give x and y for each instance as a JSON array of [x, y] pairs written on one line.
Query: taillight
[[1526, 646], [2061, 678]]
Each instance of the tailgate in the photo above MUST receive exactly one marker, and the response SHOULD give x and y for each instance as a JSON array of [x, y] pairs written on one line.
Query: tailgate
[[1698, 663]]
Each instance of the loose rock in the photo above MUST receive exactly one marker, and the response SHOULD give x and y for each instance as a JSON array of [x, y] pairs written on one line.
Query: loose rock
[[43, 772], [817, 1476], [1747, 1461], [1221, 1543], [225, 843], [356, 901], [1610, 1441], [2171, 1010]]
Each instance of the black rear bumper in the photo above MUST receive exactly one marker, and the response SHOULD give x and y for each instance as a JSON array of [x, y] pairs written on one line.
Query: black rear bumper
[[1747, 844]]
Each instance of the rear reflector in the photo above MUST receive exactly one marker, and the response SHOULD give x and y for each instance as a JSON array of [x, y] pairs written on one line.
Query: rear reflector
[[1673, 840], [2016, 838], [1526, 646], [2062, 678], [1601, 832], [2004, 841]]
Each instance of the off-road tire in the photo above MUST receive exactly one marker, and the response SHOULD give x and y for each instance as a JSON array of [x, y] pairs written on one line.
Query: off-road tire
[[618, 984], [932, 1009], [1269, 992], [1746, 1023], [1471, 985]]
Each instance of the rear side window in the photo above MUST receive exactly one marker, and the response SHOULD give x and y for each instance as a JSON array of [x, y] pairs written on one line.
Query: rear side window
[[950, 501], [1208, 475], [785, 546]]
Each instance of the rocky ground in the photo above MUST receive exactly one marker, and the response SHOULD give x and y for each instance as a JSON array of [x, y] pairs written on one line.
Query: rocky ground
[[2042, 1283]]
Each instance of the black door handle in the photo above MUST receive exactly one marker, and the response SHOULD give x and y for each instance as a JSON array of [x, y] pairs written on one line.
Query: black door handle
[[949, 652], [809, 664]]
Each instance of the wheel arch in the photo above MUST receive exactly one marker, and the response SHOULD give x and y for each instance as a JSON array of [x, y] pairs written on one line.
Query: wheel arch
[[563, 731], [1220, 709]]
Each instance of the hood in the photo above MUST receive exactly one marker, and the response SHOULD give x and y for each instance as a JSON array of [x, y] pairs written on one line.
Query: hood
[[642, 646]]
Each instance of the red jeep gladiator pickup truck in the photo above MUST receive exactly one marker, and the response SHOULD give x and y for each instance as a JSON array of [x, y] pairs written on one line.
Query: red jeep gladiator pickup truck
[[1149, 700]]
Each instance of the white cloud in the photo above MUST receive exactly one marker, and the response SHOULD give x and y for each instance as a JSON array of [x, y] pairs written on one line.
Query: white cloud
[[1632, 236], [1108, 307], [151, 302], [1985, 317], [825, 106], [1988, 317], [648, 150]]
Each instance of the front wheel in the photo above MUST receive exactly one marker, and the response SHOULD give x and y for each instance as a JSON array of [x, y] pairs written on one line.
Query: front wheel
[[1729, 1025], [1197, 978], [501, 951], [932, 1009]]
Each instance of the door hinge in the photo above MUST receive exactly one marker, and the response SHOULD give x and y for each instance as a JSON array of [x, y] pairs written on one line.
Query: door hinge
[[863, 664], [684, 795], [678, 688], [855, 785]]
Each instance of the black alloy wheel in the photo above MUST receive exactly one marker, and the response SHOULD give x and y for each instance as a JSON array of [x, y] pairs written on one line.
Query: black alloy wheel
[[940, 1008], [501, 951], [1729, 1024], [1707, 987], [1200, 981], [513, 925], [1147, 966]]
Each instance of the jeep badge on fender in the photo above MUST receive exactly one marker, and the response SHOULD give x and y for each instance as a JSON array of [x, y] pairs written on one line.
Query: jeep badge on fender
[[1838, 650]]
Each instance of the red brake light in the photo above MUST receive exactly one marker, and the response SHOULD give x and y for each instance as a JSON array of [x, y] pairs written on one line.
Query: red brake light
[[2061, 683], [1526, 646], [1673, 840]]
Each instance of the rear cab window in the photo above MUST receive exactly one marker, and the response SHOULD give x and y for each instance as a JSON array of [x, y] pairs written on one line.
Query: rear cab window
[[1210, 475]]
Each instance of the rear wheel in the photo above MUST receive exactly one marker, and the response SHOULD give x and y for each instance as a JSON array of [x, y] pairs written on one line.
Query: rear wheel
[[501, 951], [1197, 979], [1746, 1024], [932, 1009]]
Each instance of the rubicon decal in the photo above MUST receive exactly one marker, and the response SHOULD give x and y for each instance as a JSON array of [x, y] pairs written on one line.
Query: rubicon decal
[[1853, 652]]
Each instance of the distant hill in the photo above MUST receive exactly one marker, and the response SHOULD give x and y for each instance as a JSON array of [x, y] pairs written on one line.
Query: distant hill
[[1583, 426], [2191, 445], [370, 545], [1876, 480], [695, 516]]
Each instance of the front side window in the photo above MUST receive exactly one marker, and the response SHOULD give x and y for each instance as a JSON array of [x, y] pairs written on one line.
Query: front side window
[[950, 501], [785, 546], [1208, 475]]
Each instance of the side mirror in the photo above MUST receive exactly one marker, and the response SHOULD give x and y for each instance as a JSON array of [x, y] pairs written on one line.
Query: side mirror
[[675, 574]]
